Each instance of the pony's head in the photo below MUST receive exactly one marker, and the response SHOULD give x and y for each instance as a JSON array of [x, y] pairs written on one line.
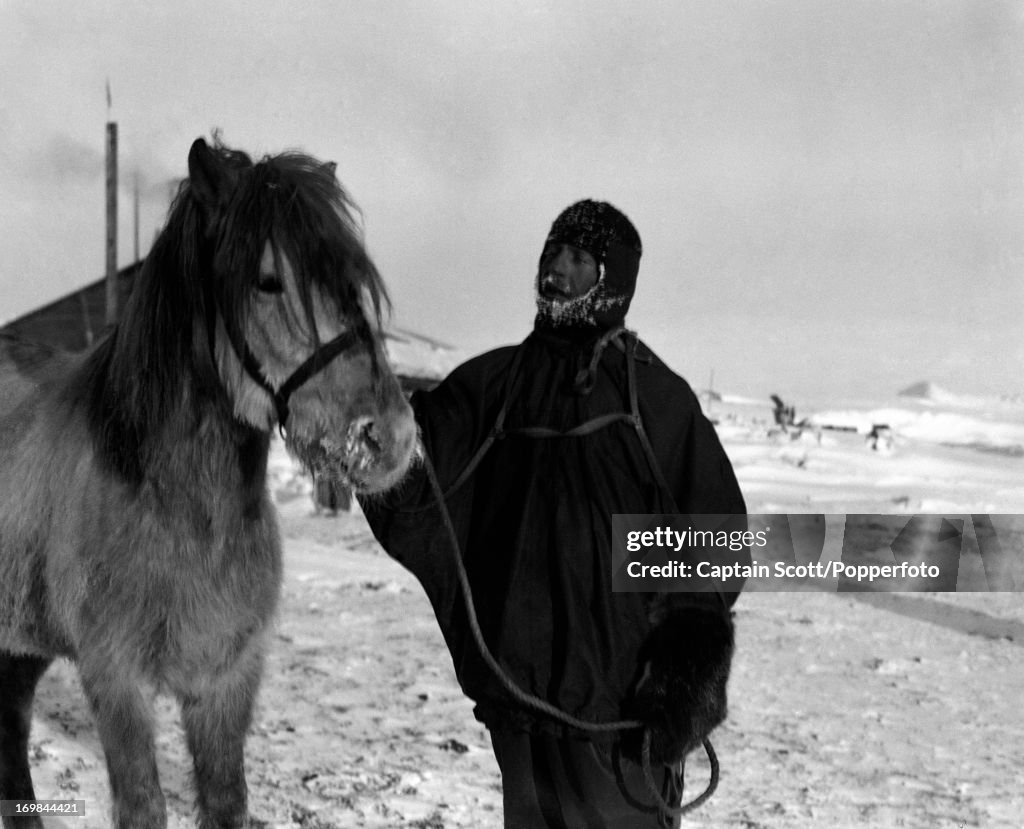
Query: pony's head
[[294, 314], [259, 296]]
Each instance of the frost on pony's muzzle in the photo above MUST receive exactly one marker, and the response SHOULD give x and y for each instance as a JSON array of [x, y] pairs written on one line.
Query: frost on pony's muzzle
[[363, 441]]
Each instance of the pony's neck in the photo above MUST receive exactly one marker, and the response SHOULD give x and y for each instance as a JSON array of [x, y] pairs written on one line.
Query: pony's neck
[[217, 461]]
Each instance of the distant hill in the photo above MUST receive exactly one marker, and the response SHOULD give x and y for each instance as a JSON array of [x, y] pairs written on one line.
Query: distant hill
[[927, 390]]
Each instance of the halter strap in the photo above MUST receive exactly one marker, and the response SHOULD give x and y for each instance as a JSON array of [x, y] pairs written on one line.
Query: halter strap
[[316, 362]]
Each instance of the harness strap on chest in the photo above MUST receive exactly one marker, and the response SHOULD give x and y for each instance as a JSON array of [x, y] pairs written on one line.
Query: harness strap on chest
[[585, 428], [638, 425]]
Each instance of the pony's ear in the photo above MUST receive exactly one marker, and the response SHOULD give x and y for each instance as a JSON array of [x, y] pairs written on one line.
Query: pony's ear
[[210, 177], [331, 167]]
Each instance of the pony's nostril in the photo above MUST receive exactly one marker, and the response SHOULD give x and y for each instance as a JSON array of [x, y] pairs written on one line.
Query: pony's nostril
[[362, 435], [370, 439]]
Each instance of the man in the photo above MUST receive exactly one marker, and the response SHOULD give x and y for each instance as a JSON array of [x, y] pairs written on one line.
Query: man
[[536, 447]]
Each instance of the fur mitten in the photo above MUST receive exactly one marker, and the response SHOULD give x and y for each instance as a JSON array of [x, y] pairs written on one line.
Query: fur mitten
[[680, 697]]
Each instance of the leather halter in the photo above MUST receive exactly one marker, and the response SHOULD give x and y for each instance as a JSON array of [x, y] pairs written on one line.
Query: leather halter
[[357, 335]]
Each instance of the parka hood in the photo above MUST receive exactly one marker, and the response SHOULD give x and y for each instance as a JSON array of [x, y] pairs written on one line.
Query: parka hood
[[607, 234]]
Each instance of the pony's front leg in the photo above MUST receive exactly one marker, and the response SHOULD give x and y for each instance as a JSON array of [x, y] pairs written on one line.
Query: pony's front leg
[[18, 678], [216, 720], [123, 719]]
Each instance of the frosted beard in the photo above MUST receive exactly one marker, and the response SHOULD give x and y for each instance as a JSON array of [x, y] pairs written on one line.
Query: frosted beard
[[582, 311]]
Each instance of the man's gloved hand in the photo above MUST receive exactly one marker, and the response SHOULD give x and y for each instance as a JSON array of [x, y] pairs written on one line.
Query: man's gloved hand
[[681, 694]]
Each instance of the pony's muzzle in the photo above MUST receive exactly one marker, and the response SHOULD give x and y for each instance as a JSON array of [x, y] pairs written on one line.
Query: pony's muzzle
[[370, 453]]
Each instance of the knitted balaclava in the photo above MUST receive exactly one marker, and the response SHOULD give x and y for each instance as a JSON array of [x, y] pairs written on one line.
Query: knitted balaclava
[[607, 235]]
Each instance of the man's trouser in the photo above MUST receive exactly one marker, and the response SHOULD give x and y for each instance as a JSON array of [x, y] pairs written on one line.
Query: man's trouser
[[553, 783]]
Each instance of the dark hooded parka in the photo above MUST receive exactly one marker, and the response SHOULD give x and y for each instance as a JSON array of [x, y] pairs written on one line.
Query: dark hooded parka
[[536, 450]]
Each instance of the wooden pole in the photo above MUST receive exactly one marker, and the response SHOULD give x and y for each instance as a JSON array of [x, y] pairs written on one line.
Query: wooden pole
[[86, 322], [135, 216], [111, 223]]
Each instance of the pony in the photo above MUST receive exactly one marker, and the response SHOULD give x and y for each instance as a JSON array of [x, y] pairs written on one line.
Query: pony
[[137, 536]]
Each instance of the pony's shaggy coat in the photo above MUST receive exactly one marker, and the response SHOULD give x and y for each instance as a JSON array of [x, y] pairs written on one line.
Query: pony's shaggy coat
[[136, 534]]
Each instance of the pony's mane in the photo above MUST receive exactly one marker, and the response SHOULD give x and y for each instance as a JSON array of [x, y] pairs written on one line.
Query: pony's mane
[[157, 363]]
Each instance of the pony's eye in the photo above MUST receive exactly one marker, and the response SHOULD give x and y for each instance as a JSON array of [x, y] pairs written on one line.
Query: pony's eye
[[270, 284]]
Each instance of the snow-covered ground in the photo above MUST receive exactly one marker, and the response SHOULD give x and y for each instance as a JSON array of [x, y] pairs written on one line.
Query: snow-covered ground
[[846, 709]]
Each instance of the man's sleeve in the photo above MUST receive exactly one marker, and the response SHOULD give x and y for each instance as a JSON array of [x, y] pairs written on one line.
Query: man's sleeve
[[451, 419], [699, 471]]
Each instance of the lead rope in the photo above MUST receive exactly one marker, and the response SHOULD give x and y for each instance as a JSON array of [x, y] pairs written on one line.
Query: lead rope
[[538, 704]]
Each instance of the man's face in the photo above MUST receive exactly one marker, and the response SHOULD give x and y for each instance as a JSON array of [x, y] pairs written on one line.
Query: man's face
[[566, 272]]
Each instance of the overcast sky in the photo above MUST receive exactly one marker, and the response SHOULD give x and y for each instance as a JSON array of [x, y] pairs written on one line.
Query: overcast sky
[[830, 194]]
